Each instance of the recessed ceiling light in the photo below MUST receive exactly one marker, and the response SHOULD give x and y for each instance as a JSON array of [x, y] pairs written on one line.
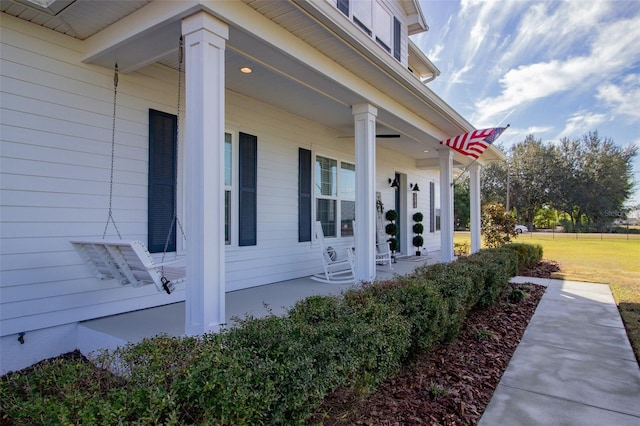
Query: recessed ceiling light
[[426, 150], [246, 70]]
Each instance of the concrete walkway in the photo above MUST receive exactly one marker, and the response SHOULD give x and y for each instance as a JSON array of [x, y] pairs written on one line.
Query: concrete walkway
[[574, 365]]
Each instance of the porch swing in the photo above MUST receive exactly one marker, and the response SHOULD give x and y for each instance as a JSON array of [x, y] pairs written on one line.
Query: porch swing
[[128, 261]]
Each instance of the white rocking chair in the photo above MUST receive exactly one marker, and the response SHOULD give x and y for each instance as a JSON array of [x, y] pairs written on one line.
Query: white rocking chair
[[128, 262], [383, 249], [336, 271]]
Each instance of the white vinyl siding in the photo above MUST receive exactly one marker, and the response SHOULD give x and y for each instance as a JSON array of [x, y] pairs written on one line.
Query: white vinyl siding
[[56, 118]]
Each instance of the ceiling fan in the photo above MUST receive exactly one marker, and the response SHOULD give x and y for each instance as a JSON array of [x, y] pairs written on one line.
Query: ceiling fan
[[381, 136]]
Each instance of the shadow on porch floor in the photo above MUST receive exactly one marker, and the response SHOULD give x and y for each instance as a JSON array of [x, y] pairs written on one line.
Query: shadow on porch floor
[[131, 327]]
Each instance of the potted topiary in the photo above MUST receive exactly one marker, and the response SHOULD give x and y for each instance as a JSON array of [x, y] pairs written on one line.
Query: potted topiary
[[392, 230], [418, 229]]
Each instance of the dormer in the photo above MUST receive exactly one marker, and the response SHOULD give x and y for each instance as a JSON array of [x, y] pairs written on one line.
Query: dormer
[[388, 22]]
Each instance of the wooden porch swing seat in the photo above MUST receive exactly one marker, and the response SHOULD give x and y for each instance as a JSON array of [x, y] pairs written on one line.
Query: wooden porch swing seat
[[335, 270], [130, 263]]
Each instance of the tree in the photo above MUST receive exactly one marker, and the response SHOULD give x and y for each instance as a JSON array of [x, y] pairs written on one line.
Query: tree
[[597, 177], [498, 227], [530, 183], [461, 205], [585, 178], [494, 183]]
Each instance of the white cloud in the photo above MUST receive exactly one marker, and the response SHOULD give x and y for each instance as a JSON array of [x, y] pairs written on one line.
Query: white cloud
[[580, 123], [434, 53], [552, 28], [623, 99], [614, 49]]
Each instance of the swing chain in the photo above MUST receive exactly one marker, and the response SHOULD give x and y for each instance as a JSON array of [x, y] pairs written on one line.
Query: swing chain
[[175, 219], [113, 149]]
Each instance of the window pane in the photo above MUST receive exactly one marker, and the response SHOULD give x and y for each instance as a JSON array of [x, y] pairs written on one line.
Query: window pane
[[326, 176], [347, 181], [347, 216], [227, 159], [326, 214], [227, 217]]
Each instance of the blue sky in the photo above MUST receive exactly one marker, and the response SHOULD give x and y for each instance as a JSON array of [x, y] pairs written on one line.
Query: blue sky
[[549, 68]]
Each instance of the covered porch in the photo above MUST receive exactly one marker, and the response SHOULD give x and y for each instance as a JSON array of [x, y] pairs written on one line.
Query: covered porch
[[238, 54], [132, 327]]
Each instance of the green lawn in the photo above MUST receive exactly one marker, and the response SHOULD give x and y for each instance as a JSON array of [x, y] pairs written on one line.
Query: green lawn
[[610, 258]]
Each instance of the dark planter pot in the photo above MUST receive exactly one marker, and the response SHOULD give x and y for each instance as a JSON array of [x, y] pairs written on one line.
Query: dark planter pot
[[418, 253]]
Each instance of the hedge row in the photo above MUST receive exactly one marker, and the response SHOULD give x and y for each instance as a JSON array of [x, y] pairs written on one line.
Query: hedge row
[[273, 370]]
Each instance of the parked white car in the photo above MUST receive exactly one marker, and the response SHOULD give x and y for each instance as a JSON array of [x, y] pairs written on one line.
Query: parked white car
[[521, 228]]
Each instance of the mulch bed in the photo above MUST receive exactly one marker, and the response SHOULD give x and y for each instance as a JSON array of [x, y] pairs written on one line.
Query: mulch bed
[[452, 384]]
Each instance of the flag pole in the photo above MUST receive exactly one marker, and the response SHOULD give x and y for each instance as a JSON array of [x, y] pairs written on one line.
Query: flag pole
[[470, 164], [464, 171]]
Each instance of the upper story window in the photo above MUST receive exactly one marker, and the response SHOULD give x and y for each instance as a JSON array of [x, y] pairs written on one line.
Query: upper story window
[[376, 21]]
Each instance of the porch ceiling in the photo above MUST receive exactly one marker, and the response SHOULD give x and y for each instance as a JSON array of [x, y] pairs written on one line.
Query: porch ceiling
[[146, 32]]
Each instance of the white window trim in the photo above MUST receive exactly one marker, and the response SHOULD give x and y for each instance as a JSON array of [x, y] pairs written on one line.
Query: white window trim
[[234, 213], [338, 198]]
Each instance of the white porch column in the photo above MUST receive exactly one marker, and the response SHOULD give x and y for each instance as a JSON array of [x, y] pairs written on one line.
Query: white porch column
[[365, 147], [474, 194], [204, 42], [446, 205]]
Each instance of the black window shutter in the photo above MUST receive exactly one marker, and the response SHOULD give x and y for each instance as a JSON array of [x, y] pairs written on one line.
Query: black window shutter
[[432, 207], [162, 180], [343, 6], [304, 195], [397, 38], [247, 183]]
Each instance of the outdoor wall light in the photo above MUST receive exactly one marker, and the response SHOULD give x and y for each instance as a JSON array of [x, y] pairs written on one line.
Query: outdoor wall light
[[393, 183], [414, 187]]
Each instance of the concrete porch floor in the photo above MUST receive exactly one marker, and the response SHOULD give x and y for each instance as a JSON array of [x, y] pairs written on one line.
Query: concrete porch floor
[[131, 327]]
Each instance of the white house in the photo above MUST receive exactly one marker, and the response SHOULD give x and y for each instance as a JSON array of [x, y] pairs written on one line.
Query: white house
[[285, 112]]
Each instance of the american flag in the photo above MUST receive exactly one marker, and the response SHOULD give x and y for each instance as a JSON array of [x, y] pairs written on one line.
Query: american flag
[[474, 143]]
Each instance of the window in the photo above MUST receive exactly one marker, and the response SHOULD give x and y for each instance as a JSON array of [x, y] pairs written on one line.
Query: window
[[228, 185], [347, 198], [362, 14], [382, 27], [343, 6], [376, 21], [335, 196]]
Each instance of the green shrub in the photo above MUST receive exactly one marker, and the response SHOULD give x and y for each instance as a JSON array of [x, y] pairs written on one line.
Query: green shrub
[[460, 286], [391, 215], [273, 370], [498, 265], [528, 254]]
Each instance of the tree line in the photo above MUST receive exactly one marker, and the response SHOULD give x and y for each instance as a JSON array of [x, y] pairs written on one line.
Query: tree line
[[585, 180]]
